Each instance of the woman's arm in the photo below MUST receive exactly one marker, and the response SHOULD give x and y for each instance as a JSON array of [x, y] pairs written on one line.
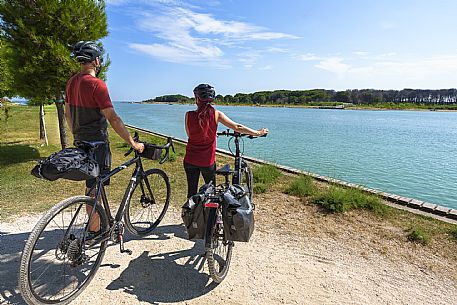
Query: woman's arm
[[222, 118]]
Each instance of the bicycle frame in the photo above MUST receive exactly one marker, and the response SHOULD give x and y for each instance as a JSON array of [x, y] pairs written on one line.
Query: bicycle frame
[[100, 193]]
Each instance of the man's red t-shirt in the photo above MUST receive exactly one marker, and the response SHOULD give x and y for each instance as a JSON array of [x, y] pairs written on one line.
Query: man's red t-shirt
[[87, 96]]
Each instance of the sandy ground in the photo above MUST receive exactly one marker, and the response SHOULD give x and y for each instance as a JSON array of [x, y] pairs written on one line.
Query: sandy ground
[[286, 262]]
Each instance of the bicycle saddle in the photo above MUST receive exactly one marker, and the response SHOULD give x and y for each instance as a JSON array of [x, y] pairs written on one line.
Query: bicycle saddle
[[225, 170], [89, 145]]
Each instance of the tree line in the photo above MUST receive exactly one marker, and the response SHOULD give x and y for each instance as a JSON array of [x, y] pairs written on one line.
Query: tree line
[[321, 96]]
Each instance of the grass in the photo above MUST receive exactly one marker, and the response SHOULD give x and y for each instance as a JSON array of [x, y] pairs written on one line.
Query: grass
[[264, 176], [453, 233], [338, 199], [418, 235], [20, 147], [302, 186]]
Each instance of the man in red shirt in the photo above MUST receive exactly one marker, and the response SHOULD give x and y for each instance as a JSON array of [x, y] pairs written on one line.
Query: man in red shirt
[[88, 107]]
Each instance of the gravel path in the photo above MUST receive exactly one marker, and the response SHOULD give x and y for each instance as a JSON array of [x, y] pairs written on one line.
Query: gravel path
[[274, 268]]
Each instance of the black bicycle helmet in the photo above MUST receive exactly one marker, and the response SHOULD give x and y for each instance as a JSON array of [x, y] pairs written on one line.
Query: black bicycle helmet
[[205, 92], [87, 51]]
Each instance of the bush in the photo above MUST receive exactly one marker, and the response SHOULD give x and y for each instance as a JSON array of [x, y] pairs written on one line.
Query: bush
[[339, 199], [266, 174], [172, 156], [418, 235], [302, 186], [260, 188], [453, 233]]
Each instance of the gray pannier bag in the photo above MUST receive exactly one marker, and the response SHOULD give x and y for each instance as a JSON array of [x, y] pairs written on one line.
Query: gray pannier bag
[[194, 214], [238, 214]]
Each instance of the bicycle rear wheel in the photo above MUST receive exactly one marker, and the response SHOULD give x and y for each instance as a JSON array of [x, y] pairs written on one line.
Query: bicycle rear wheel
[[219, 251], [148, 202], [58, 262]]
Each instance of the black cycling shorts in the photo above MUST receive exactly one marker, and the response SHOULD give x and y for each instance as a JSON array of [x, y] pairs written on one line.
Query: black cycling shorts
[[103, 157]]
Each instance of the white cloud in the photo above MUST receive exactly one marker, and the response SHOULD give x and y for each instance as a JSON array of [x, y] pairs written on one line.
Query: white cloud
[[309, 57], [421, 69], [265, 68], [333, 64], [361, 53], [277, 50], [191, 36]]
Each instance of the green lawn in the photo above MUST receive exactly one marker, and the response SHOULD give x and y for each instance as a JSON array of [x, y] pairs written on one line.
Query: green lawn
[[20, 147]]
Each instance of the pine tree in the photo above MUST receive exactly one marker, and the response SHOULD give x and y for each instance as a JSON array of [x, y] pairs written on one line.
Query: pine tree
[[40, 35]]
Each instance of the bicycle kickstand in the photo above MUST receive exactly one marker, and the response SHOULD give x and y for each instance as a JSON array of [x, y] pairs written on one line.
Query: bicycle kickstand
[[120, 239]]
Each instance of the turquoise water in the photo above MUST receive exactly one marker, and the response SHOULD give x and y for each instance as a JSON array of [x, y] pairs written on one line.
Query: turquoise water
[[409, 153]]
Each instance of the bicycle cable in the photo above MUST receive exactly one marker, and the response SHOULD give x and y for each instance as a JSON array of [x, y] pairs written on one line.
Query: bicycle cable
[[230, 149]]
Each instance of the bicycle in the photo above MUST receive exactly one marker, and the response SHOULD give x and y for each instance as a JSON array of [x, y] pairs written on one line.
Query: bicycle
[[61, 255], [218, 247]]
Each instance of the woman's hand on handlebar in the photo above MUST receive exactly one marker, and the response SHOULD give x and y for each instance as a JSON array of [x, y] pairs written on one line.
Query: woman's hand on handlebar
[[262, 132]]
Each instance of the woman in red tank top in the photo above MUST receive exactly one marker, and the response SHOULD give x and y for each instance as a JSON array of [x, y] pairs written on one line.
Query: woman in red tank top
[[201, 128]]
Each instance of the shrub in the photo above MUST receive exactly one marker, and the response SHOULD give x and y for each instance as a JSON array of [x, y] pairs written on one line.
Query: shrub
[[453, 233], [172, 156], [418, 235], [260, 188], [266, 174], [339, 199], [302, 186]]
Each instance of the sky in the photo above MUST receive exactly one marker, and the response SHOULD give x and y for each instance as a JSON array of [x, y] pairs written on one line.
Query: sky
[[160, 47]]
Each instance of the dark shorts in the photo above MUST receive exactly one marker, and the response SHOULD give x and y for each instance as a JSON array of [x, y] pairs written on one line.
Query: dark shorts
[[103, 158]]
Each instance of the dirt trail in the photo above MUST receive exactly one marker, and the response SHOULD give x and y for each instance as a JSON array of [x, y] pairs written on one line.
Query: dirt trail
[[281, 265]]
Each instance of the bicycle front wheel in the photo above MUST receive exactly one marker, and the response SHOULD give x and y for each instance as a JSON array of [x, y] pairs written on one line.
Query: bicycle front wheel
[[219, 250], [247, 179], [59, 260], [148, 202]]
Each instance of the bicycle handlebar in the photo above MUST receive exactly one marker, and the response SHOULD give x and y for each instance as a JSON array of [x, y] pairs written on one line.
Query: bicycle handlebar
[[238, 135], [167, 146]]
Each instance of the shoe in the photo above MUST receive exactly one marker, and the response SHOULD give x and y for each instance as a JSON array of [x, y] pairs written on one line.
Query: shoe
[[93, 237]]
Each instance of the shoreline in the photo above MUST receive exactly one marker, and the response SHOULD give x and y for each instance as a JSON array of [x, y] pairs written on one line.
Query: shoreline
[[323, 107]]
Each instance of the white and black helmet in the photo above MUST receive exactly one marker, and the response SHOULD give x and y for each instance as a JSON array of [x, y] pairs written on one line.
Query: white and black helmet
[[205, 92], [87, 51]]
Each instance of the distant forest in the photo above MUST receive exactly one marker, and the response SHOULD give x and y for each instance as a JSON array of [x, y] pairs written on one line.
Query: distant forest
[[321, 97]]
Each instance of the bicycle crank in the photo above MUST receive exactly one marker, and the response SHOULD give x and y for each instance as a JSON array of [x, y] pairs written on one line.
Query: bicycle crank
[[118, 237]]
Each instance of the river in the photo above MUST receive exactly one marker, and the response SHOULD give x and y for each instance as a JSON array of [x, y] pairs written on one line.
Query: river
[[409, 153]]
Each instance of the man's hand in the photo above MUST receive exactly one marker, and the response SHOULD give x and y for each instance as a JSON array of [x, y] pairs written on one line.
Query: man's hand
[[139, 147]]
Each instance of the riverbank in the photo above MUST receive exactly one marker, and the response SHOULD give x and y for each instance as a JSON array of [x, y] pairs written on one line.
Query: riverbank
[[323, 106]]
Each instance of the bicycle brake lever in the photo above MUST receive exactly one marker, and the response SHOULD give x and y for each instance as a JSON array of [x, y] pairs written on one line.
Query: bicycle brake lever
[[128, 152]]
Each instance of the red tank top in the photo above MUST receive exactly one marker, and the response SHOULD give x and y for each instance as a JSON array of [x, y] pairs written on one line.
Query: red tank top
[[201, 150]]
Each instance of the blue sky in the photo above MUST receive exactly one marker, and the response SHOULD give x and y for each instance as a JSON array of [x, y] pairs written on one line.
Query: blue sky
[[162, 47]]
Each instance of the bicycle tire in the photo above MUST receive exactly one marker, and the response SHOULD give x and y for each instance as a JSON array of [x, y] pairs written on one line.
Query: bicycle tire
[[247, 179], [219, 253], [65, 247], [156, 183]]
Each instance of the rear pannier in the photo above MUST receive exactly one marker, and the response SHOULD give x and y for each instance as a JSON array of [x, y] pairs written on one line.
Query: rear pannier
[[194, 214], [238, 214]]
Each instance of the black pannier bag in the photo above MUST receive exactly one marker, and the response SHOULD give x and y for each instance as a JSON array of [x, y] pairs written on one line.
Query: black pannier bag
[[238, 214], [69, 163], [194, 214], [150, 152]]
